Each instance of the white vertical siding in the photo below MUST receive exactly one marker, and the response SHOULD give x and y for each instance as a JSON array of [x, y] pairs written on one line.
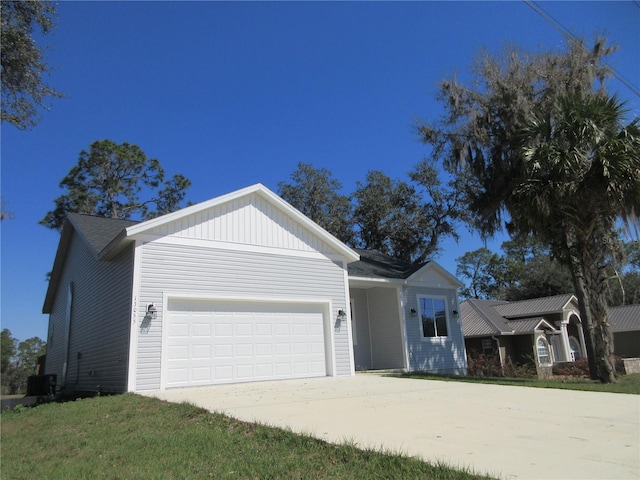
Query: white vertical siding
[[440, 355], [210, 272], [385, 331], [249, 220], [100, 316]]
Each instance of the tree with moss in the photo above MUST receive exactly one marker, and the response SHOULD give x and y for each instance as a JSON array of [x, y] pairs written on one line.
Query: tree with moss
[[23, 67], [543, 150]]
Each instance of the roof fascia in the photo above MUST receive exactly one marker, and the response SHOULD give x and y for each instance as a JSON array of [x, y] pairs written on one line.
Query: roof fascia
[[115, 246], [369, 282], [573, 298], [543, 321], [56, 271], [141, 228]]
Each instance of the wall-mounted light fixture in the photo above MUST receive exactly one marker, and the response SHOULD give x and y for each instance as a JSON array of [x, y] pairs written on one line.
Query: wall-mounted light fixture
[[151, 311], [342, 313], [414, 312]]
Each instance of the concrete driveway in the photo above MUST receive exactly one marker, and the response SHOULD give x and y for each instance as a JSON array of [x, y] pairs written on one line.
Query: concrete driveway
[[506, 432]]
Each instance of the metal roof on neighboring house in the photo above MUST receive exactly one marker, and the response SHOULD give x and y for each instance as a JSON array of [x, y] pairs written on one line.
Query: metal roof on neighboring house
[[528, 325], [625, 318], [480, 319], [535, 306]]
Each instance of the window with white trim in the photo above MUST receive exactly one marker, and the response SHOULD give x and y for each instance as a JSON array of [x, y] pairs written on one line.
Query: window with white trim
[[433, 316], [544, 353]]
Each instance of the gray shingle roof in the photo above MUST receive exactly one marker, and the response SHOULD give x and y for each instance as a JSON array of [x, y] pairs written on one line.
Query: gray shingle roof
[[625, 318], [374, 264], [98, 231]]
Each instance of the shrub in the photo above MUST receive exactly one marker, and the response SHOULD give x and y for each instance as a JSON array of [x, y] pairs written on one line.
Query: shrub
[[488, 365], [579, 368], [484, 364], [520, 370]]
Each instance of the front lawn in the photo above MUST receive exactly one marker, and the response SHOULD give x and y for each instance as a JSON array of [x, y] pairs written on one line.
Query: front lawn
[[626, 383], [134, 437]]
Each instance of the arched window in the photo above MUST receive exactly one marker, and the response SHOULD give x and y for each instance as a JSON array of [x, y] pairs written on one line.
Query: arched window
[[576, 351], [544, 354]]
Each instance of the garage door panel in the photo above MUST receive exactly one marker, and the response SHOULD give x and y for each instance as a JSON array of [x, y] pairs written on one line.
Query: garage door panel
[[178, 352], [244, 350], [201, 374], [201, 352], [223, 351], [223, 329], [263, 350], [223, 373], [281, 329], [179, 329], [201, 330], [223, 342], [264, 329], [244, 329]]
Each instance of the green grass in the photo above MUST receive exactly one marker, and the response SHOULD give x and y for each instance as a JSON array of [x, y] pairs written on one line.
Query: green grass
[[134, 437], [626, 383]]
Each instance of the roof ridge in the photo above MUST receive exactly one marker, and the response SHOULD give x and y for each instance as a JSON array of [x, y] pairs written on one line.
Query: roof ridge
[[540, 298]]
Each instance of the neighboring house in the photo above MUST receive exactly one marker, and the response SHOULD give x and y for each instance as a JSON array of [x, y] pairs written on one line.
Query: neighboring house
[[547, 330], [405, 317], [239, 288], [625, 323]]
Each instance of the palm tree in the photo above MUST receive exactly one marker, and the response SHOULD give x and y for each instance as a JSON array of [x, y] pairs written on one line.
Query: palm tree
[[580, 176]]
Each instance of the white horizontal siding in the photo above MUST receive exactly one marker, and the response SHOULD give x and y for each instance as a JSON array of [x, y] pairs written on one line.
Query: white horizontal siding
[[250, 220], [196, 270], [99, 327], [441, 355]]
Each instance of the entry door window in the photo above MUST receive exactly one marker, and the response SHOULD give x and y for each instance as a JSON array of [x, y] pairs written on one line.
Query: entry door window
[[433, 314], [576, 352]]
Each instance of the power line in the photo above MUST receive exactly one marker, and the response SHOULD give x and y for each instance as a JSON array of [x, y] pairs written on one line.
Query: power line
[[570, 36]]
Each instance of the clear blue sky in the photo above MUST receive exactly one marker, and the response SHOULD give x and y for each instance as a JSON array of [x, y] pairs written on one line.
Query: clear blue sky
[[231, 94]]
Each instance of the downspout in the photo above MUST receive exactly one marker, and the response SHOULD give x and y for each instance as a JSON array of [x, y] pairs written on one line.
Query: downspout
[[67, 335], [497, 339]]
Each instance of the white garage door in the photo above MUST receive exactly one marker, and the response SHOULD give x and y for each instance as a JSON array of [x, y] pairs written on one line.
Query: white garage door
[[209, 342]]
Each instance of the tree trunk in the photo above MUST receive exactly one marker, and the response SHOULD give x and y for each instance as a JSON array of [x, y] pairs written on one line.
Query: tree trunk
[[588, 271]]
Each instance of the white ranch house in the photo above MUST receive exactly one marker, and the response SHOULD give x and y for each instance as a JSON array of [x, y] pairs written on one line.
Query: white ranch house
[[239, 288]]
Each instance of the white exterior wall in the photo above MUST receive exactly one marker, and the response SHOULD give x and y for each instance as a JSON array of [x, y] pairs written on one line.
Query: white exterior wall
[[207, 270], [385, 329], [99, 328], [438, 355], [361, 350], [248, 220]]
